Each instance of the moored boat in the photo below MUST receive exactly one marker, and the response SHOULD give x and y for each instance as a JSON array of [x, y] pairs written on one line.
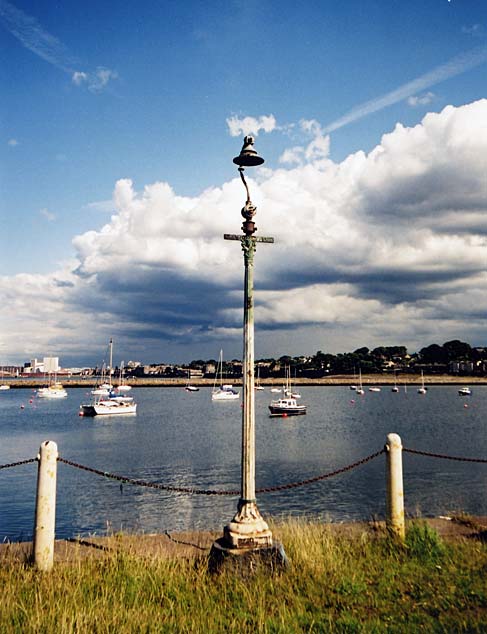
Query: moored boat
[[286, 407], [464, 391], [54, 390], [190, 388], [114, 405], [225, 391], [109, 400], [422, 389]]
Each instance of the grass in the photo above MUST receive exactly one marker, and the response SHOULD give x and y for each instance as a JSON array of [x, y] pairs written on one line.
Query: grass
[[336, 583]]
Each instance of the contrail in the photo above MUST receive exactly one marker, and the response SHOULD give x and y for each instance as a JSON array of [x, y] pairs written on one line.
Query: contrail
[[31, 34], [456, 66]]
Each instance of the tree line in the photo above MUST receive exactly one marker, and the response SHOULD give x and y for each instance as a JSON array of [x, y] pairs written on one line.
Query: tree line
[[453, 357]]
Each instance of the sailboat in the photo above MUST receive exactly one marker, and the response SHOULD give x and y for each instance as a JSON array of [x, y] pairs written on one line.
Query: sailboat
[[287, 388], [258, 386], [188, 387], [53, 390], [422, 389], [359, 389], [395, 388], [109, 400], [225, 391], [3, 386]]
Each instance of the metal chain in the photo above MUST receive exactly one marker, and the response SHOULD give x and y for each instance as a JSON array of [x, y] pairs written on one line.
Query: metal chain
[[443, 456], [164, 487], [17, 464], [294, 485], [143, 483]]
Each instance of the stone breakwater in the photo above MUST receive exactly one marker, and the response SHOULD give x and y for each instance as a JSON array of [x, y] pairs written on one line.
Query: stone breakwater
[[335, 380]]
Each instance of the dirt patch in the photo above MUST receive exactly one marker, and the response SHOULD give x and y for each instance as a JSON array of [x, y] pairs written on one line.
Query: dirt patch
[[198, 543]]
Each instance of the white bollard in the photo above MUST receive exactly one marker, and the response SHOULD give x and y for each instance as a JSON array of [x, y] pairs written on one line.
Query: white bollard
[[45, 516], [395, 491]]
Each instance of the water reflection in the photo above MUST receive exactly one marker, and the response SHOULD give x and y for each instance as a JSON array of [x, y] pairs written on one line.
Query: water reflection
[[185, 439]]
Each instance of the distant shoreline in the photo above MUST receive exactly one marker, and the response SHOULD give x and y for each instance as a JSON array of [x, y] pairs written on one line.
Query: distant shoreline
[[335, 380]]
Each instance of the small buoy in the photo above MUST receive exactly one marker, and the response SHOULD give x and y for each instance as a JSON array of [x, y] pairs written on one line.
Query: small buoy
[[352, 400], [31, 400], [80, 414], [22, 406], [284, 415], [465, 405]]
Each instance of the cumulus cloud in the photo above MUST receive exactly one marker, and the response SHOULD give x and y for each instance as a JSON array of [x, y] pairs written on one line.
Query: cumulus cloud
[[251, 125], [383, 248], [12, 142], [316, 149]]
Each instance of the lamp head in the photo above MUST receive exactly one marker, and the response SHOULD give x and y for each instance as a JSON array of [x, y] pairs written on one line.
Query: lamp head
[[248, 157]]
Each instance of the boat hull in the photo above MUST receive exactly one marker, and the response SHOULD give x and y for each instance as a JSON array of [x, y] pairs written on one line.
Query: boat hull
[[287, 411], [225, 395], [108, 409]]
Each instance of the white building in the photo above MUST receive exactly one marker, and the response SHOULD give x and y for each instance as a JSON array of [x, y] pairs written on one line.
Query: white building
[[51, 364]]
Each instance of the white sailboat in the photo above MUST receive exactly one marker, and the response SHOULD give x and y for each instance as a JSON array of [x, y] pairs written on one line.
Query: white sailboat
[[359, 389], [3, 386], [395, 388], [258, 386], [53, 390], [223, 391], [288, 392], [188, 387], [109, 400], [422, 389]]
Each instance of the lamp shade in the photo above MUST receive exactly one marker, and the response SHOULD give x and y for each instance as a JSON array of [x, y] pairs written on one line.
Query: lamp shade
[[248, 157]]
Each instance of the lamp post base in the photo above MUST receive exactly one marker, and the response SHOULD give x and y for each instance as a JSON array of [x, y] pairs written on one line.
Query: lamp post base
[[246, 561], [247, 529]]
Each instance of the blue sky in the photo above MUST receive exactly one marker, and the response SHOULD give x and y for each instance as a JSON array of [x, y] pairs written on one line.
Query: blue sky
[[106, 105]]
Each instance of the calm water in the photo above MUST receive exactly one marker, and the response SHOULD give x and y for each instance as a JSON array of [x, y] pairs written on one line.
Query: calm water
[[187, 440]]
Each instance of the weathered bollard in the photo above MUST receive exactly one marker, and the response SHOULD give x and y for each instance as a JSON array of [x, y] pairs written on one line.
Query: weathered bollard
[[395, 492], [45, 515]]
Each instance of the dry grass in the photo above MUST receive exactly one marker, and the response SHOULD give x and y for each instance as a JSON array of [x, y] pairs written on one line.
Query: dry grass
[[361, 582]]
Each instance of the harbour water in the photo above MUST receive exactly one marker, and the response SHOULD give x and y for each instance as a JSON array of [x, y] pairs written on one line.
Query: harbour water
[[184, 439]]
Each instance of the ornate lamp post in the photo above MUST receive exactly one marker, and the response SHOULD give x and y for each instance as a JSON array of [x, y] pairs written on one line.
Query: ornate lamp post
[[247, 532]]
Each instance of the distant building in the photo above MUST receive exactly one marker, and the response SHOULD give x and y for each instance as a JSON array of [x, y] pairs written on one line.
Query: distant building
[[51, 364]]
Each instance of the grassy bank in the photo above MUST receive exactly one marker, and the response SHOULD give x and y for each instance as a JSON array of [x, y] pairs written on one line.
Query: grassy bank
[[336, 583]]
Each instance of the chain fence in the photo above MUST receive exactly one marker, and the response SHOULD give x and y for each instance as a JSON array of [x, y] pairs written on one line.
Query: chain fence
[[430, 454], [282, 487], [17, 464], [194, 491]]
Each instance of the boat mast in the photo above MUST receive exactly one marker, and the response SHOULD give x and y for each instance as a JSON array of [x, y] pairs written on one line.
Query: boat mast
[[111, 360]]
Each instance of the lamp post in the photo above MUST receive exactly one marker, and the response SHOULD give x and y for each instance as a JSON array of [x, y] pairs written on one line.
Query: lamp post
[[248, 531]]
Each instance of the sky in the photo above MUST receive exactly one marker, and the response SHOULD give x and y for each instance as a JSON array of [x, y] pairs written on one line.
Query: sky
[[118, 126]]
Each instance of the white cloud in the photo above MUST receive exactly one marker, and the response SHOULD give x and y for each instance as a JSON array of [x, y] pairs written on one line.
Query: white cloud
[[251, 125], [316, 149], [48, 215], [32, 35], [79, 78], [383, 248], [421, 100], [12, 142]]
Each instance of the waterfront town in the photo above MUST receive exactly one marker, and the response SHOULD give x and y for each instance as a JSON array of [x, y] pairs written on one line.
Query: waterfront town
[[453, 358]]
